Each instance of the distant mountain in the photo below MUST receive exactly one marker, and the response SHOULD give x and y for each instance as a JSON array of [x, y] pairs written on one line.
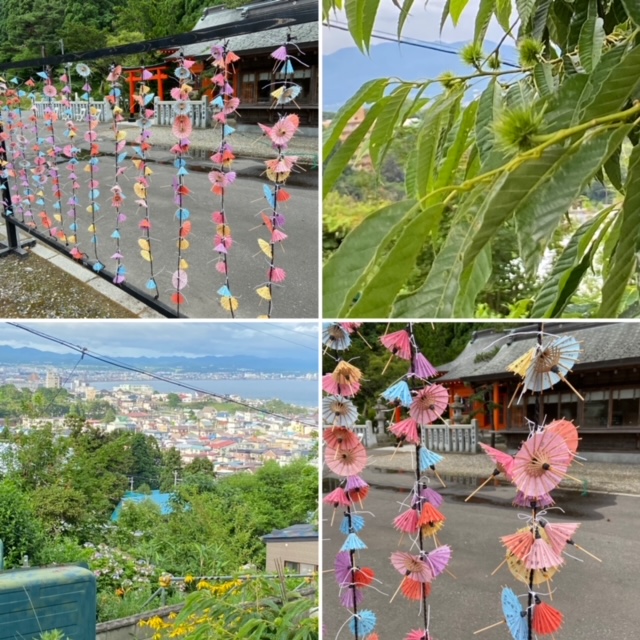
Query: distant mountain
[[303, 361], [346, 70]]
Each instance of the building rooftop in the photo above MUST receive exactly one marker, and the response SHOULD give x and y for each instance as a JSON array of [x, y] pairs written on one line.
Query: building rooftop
[[604, 345], [161, 499], [294, 532]]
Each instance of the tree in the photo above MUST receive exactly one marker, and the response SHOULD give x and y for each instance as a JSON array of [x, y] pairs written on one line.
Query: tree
[[518, 154], [20, 530], [174, 400]]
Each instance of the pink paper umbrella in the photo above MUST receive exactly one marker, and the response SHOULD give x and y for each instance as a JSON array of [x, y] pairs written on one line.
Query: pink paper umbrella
[[541, 464], [332, 386], [407, 430], [438, 559], [542, 555], [503, 462], [419, 634], [410, 566], [407, 522], [567, 430], [346, 462], [561, 534], [399, 343], [337, 498], [429, 404]]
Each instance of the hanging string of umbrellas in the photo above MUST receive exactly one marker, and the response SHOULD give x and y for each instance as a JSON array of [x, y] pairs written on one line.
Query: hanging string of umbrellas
[[279, 168], [421, 520], [225, 104], [36, 156], [536, 551], [346, 456]]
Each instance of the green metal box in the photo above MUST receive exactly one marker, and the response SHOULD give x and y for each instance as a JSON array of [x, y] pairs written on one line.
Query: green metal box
[[48, 598]]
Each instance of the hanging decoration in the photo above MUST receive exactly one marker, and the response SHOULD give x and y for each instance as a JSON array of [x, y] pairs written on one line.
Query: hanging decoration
[[141, 184], [50, 118], [224, 104], [279, 168], [92, 166], [536, 551], [345, 456], [182, 128], [422, 519], [114, 99]]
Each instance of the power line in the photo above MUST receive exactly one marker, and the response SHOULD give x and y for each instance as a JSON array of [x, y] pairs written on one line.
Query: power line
[[115, 363], [411, 42], [271, 335]]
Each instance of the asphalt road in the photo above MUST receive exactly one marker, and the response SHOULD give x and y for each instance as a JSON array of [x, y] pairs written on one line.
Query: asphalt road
[[599, 600], [244, 200]]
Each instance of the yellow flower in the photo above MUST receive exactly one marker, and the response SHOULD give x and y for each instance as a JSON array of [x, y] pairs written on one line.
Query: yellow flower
[[165, 580], [189, 579]]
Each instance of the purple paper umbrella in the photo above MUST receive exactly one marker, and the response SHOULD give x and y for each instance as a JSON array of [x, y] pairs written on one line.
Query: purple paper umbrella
[[541, 502], [343, 567], [422, 368], [438, 559], [350, 597]]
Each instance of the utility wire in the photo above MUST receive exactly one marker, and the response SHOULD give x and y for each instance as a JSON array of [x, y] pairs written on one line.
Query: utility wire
[[413, 42], [271, 335], [115, 363]]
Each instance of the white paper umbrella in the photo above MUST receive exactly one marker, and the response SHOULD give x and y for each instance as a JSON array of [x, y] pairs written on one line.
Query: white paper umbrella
[[339, 411]]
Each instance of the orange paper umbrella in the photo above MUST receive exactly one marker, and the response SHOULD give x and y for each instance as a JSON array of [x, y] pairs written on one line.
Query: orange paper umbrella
[[346, 462], [546, 619], [430, 515], [340, 438], [414, 590], [520, 543]]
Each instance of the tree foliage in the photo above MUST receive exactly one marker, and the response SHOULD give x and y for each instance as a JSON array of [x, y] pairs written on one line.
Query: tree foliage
[[511, 160]]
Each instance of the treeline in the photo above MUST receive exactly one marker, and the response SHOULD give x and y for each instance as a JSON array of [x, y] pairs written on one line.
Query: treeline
[[32, 28]]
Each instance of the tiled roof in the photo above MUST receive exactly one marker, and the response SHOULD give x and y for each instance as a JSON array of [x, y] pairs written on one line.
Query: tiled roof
[[294, 532], [603, 345]]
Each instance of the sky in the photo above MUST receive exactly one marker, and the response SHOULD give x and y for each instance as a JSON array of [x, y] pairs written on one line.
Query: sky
[[423, 24], [135, 339]]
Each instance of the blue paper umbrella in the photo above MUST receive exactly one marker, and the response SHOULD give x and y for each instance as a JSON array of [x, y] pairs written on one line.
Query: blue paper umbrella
[[514, 616], [357, 524], [551, 364], [353, 543], [398, 392], [365, 621], [429, 458]]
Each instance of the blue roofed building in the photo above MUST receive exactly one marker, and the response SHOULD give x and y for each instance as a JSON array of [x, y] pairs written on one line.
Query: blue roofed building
[[163, 500]]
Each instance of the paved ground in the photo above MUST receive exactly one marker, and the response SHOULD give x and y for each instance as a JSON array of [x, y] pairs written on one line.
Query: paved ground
[[298, 298], [598, 600]]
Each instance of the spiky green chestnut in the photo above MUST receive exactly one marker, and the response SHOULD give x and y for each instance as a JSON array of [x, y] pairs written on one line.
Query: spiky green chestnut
[[530, 51], [516, 128], [472, 55]]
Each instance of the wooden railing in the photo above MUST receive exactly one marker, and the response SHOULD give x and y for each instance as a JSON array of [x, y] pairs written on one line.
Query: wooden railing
[[452, 438]]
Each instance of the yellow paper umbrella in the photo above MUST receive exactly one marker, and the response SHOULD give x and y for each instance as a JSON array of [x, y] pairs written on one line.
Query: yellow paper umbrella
[[229, 304], [183, 244], [264, 293], [144, 244], [266, 247], [146, 255], [521, 365]]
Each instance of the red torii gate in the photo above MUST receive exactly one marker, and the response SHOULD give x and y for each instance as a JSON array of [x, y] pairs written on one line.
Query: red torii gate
[[134, 76]]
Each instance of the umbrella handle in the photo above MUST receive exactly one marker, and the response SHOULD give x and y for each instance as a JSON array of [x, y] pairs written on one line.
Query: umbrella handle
[[398, 589], [491, 626], [493, 573], [577, 546], [480, 487]]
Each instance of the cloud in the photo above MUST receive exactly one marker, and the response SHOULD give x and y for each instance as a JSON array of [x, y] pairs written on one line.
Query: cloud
[[423, 24], [120, 339]]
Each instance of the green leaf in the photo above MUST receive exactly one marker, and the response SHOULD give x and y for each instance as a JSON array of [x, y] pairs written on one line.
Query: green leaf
[[525, 9], [624, 258], [581, 10], [503, 13], [352, 11], [383, 133], [562, 110], [369, 92], [456, 8], [543, 76], [473, 281], [519, 95], [438, 295], [613, 171], [539, 215], [357, 252], [483, 17], [451, 162], [489, 107], [340, 159], [540, 19], [367, 12], [445, 14], [621, 83], [508, 192], [404, 14], [632, 7], [554, 292], [395, 269], [590, 43]]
